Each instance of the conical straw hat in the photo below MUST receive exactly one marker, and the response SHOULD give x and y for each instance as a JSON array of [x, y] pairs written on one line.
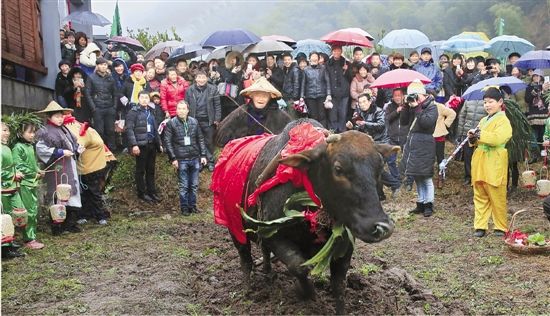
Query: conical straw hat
[[262, 85], [54, 107]]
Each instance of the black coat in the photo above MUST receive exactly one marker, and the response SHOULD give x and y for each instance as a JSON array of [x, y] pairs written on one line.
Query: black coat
[[101, 91], [452, 84], [136, 127], [276, 78], [339, 78], [315, 82], [61, 84], [419, 152], [397, 132], [213, 105], [375, 124], [291, 82], [174, 136]]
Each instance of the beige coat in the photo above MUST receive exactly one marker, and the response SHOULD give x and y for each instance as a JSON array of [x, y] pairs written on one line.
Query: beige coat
[[445, 118], [88, 55]]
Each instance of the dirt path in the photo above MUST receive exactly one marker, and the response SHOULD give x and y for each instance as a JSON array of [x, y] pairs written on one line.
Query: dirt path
[[150, 260]]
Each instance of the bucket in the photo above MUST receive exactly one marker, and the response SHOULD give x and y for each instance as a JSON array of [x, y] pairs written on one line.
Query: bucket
[[20, 217], [63, 190], [8, 230], [58, 212], [528, 177], [543, 185]]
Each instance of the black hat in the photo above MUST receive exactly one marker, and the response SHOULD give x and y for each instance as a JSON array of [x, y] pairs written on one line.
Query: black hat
[[426, 50], [64, 62], [100, 60]]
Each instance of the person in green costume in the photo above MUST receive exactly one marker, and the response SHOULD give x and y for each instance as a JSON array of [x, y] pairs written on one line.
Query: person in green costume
[[25, 162], [10, 196]]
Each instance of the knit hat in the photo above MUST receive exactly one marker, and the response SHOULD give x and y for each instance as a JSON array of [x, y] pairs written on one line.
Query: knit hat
[[416, 87], [262, 85], [426, 50], [100, 60], [117, 62], [54, 107], [137, 66]]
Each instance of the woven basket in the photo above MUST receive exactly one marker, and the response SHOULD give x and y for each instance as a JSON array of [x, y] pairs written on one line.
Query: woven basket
[[524, 249]]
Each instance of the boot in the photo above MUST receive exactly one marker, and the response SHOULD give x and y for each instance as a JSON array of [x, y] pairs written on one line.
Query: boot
[[419, 209], [428, 209]]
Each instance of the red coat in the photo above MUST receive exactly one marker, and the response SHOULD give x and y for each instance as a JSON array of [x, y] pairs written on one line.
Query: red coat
[[170, 95]]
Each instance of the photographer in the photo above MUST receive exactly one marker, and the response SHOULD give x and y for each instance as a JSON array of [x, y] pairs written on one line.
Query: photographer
[[538, 107], [491, 70], [419, 152]]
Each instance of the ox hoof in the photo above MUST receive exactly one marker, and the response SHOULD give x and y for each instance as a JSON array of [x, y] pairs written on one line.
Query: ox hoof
[[305, 291]]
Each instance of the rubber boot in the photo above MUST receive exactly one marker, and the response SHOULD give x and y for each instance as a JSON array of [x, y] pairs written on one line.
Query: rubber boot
[[419, 209], [428, 209]]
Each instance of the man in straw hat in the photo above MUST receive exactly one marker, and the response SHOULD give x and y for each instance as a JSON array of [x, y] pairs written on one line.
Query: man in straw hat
[[261, 115], [57, 148]]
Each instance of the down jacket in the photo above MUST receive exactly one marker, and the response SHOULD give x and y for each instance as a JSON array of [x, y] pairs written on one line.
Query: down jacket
[[375, 124], [136, 127], [315, 82], [430, 70], [470, 115], [291, 82], [170, 95], [419, 152], [101, 91], [174, 136]]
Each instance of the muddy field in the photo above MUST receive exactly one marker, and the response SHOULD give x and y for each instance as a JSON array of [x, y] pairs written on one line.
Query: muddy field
[[151, 260]]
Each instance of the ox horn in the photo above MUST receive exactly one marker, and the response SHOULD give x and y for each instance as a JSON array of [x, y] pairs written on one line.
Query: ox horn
[[334, 138]]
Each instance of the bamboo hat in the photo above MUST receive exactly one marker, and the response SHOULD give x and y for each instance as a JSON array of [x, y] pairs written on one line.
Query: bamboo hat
[[54, 107], [262, 85]]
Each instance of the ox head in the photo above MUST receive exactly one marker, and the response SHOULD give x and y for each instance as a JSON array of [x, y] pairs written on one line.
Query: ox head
[[346, 174]]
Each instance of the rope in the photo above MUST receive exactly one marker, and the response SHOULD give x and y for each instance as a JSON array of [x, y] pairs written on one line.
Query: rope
[[240, 108]]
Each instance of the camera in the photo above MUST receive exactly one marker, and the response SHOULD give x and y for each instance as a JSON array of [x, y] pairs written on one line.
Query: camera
[[488, 67], [536, 89], [214, 68], [411, 98]]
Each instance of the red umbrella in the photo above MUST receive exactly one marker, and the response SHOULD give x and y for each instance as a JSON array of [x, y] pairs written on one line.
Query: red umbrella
[[349, 36], [398, 78], [280, 38]]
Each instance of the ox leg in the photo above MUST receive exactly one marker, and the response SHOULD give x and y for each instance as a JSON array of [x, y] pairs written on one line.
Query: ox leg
[[266, 253], [293, 258], [246, 259], [338, 270]]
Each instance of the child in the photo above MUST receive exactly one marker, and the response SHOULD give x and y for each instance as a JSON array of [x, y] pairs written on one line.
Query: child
[[490, 165], [10, 196], [56, 145], [25, 162]]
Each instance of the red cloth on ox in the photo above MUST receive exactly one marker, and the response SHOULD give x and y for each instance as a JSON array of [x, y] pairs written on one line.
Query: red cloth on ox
[[230, 178], [302, 137]]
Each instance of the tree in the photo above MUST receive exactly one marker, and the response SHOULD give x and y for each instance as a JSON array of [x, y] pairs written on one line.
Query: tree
[[513, 16], [149, 40]]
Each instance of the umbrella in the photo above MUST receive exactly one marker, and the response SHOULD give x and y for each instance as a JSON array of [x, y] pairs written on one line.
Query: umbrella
[[435, 46], [536, 59], [398, 78], [404, 38], [466, 42], [504, 45], [187, 51], [128, 41], [230, 37], [280, 38], [220, 52], [162, 47], [310, 45], [87, 18], [348, 37], [475, 92], [267, 46]]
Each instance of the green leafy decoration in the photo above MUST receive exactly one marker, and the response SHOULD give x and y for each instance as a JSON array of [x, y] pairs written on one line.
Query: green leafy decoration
[[521, 132], [537, 239], [16, 120]]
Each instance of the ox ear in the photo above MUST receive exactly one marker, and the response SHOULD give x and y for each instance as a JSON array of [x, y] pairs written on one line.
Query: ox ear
[[304, 158], [387, 150]]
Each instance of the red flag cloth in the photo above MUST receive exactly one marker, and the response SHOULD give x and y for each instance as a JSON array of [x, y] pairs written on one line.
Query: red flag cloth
[[229, 181], [302, 137]]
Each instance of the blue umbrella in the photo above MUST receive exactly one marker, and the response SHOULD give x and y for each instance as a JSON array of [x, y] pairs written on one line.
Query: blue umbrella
[[87, 18], [404, 38], [230, 37], [187, 51], [504, 45], [536, 59], [310, 45], [464, 45], [475, 92]]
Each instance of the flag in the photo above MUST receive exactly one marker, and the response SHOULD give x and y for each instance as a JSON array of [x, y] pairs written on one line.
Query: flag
[[500, 29], [116, 28]]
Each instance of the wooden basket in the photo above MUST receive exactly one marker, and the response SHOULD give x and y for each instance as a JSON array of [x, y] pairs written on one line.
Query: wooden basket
[[524, 249]]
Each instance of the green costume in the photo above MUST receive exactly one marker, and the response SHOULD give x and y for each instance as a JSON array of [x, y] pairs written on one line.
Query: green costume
[[25, 162], [10, 196]]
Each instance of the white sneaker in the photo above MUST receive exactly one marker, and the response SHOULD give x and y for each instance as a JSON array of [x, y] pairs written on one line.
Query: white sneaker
[[82, 221], [103, 222]]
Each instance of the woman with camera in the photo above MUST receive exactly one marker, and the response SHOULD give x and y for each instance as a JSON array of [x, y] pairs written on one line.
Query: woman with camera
[[74, 95], [537, 105]]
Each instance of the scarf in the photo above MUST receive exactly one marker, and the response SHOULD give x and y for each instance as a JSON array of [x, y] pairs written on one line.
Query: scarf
[[78, 98], [138, 87]]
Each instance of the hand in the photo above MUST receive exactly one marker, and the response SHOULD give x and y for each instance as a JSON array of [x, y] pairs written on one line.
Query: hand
[[268, 72], [345, 67], [360, 122], [67, 153], [472, 133], [175, 164], [167, 116], [329, 98], [40, 174], [413, 104], [161, 149], [135, 151], [399, 108], [18, 177], [349, 125], [459, 72], [483, 71], [203, 161], [546, 86], [216, 123]]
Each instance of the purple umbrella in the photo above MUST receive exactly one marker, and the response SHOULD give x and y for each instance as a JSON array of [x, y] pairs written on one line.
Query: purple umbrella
[[128, 41], [230, 38], [475, 92], [536, 59]]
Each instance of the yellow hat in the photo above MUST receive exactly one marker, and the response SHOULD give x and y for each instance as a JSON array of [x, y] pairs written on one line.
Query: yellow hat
[[54, 107], [416, 87], [262, 85]]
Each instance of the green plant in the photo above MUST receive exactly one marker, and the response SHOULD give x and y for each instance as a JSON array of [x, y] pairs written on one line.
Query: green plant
[[149, 40], [537, 239], [369, 268], [492, 260], [15, 121]]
